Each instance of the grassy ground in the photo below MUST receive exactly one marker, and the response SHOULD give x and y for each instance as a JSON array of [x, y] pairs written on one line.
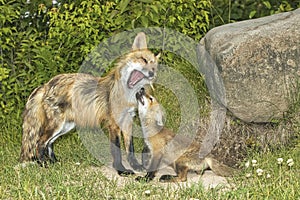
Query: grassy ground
[[74, 177]]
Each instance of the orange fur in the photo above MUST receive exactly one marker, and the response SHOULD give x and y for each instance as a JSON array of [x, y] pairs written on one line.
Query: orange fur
[[179, 152]]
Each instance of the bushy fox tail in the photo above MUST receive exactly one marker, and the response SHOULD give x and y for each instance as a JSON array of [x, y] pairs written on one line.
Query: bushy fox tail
[[219, 168], [33, 122]]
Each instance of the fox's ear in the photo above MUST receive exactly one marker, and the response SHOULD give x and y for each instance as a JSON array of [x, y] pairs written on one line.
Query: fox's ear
[[139, 42]]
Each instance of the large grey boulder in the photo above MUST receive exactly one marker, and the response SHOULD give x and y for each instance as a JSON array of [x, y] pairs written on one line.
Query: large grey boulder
[[259, 63]]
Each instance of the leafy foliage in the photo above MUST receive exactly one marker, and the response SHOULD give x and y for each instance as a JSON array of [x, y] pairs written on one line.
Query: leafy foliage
[[227, 11], [40, 40]]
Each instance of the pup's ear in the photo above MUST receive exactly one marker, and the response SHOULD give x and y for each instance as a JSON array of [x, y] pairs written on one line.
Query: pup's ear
[[139, 42], [157, 56], [159, 118]]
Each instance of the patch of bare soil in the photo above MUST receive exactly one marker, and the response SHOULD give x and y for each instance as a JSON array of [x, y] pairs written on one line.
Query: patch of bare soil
[[208, 180]]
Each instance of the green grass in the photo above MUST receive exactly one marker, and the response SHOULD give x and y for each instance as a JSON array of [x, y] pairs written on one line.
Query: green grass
[[78, 176]]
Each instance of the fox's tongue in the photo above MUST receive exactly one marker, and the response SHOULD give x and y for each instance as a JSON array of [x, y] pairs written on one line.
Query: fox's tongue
[[135, 77]]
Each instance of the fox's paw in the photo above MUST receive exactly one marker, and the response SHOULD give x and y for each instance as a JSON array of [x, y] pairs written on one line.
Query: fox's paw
[[169, 178], [53, 158], [125, 172], [143, 179], [42, 163]]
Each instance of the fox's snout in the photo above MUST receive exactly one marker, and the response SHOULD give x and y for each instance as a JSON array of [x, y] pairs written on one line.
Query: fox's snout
[[151, 74]]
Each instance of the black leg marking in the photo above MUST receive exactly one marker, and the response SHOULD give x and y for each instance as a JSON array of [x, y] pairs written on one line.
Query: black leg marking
[[117, 159], [41, 154], [147, 178], [132, 159], [167, 178], [51, 154], [146, 156]]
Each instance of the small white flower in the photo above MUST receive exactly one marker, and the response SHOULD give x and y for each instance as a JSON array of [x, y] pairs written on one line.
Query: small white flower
[[290, 162], [248, 175], [77, 163], [279, 161], [147, 192], [268, 175], [247, 164], [254, 163], [259, 172]]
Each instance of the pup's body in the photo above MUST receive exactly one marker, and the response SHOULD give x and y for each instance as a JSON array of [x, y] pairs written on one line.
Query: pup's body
[[165, 147], [82, 100]]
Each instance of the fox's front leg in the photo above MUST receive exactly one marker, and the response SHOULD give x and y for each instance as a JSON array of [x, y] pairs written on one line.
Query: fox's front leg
[[181, 171], [129, 147], [146, 156], [153, 168], [115, 148], [125, 123], [40, 155]]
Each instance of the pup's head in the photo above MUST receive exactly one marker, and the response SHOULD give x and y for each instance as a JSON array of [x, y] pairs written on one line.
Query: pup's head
[[141, 64], [150, 111]]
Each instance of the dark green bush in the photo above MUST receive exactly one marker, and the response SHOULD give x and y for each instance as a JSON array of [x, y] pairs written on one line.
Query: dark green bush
[[227, 11]]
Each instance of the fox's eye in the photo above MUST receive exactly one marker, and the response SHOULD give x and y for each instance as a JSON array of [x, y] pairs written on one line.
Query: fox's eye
[[144, 60], [151, 99]]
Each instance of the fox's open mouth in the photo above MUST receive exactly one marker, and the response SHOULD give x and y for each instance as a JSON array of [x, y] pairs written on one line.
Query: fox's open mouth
[[139, 96], [135, 77]]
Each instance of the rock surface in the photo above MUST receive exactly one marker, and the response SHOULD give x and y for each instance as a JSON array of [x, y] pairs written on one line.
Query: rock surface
[[259, 62]]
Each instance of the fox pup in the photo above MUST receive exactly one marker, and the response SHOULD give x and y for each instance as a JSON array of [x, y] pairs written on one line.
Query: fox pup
[[82, 100], [167, 148]]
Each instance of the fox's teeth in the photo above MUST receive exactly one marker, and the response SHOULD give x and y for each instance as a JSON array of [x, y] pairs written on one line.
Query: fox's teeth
[[151, 85], [143, 101]]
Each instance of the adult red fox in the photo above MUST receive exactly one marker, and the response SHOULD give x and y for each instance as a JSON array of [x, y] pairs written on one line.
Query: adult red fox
[[82, 100], [165, 147]]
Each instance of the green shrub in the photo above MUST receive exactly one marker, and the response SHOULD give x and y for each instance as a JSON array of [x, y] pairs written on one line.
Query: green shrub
[[9, 14], [227, 11]]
